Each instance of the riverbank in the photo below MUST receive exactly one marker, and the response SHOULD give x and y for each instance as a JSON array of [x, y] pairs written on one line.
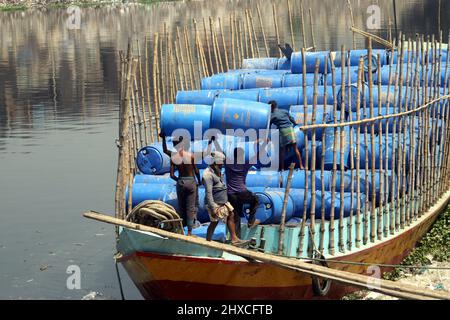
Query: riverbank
[[22, 5], [432, 256]]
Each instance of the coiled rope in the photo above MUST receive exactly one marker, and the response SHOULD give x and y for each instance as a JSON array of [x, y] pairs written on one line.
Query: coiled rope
[[157, 214]]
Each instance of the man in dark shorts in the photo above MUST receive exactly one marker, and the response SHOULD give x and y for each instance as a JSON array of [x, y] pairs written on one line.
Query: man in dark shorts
[[285, 124], [236, 170], [216, 199], [238, 194], [187, 185]]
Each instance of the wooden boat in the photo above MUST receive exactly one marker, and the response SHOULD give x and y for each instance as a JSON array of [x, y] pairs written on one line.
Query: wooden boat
[[162, 269], [367, 242]]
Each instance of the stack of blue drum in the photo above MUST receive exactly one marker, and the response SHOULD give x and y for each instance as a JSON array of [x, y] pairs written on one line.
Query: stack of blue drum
[[349, 163]]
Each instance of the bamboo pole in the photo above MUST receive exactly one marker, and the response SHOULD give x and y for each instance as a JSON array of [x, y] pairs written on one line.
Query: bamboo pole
[[341, 157], [283, 209], [211, 68], [216, 44], [250, 37], [266, 47], [380, 160], [190, 69], [156, 91], [201, 66], [142, 98], [245, 43], [303, 24], [290, 24], [374, 37], [147, 85], [386, 286], [190, 59], [372, 142], [407, 124], [353, 24], [331, 229], [183, 75], [233, 54], [213, 43], [322, 166], [277, 34], [163, 68], [312, 215], [358, 148], [305, 108], [352, 165], [227, 66], [240, 48], [254, 34], [312, 30], [414, 162], [179, 65]]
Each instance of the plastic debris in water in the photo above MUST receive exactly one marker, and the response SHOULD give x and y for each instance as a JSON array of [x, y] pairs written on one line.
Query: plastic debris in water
[[92, 295]]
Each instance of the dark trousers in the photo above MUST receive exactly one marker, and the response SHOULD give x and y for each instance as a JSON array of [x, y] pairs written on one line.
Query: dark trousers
[[238, 200], [187, 194]]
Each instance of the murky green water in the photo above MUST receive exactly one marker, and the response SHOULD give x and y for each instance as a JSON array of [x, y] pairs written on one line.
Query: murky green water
[[58, 123]]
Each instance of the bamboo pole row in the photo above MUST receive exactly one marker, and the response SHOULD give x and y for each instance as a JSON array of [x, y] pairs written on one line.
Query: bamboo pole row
[[414, 182]]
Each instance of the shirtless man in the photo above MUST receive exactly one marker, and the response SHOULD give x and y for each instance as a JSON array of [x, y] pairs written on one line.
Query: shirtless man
[[187, 185]]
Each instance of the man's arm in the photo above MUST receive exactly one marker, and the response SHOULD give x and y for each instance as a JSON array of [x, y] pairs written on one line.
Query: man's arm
[[291, 118], [209, 199], [196, 171], [257, 149], [164, 145], [172, 171]]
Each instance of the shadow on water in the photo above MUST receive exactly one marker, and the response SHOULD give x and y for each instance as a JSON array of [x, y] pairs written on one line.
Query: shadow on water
[[58, 123]]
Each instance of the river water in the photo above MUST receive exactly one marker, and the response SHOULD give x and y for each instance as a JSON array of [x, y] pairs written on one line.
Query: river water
[[58, 125]]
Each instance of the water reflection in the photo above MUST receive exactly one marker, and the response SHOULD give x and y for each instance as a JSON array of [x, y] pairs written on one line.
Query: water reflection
[[58, 122]]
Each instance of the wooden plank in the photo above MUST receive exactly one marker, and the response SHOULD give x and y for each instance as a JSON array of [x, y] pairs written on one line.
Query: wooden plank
[[383, 286]]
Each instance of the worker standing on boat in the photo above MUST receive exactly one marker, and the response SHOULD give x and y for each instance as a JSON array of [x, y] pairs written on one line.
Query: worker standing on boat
[[216, 198], [236, 170], [187, 185], [285, 124]]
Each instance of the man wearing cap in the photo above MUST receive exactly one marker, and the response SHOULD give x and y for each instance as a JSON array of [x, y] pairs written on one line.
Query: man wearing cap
[[216, 198]]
